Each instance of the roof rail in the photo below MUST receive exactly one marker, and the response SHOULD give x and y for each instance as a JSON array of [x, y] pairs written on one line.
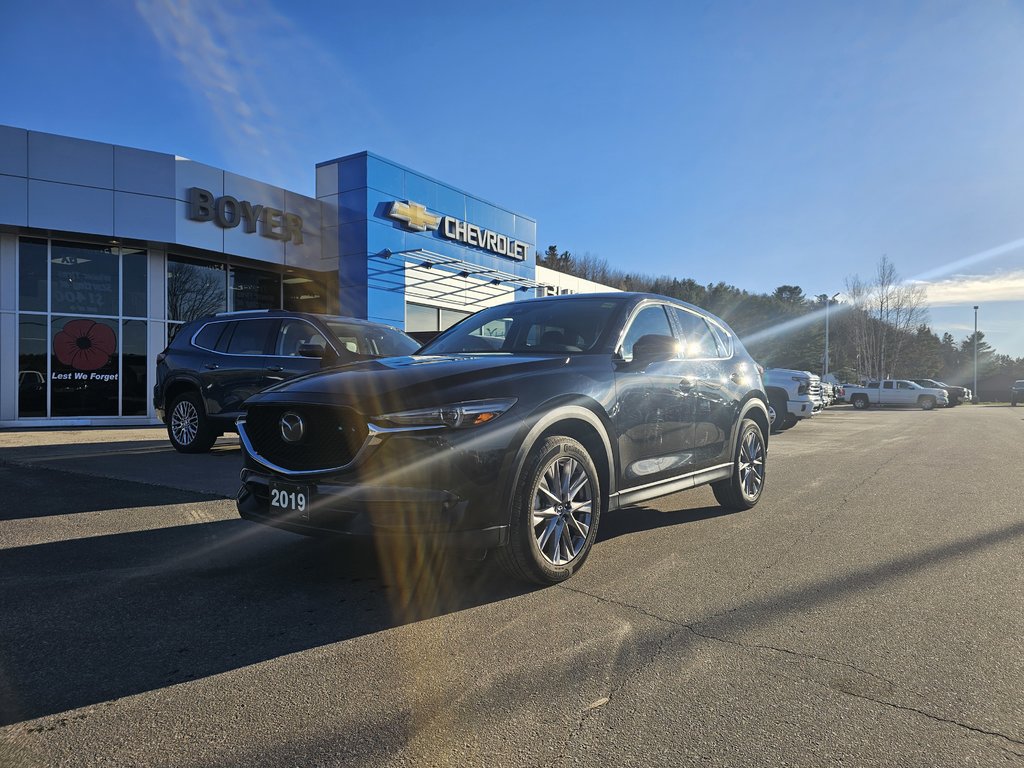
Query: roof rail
[[245, 312]]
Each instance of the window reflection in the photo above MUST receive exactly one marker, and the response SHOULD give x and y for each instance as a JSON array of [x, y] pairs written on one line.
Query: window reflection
[[194, 289]]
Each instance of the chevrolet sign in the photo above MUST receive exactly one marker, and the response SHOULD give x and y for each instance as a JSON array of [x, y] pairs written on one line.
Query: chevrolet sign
[[416, 217]]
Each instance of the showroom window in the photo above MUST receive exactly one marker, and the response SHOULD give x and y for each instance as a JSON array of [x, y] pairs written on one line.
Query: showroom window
[[81, 329], [420, 318]]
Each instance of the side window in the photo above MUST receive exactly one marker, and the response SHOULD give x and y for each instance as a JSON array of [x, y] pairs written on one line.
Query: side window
[[698, 341], [872, 385], [886, 385], [209, 335], [250, 337], [650, 320], [293, 334], [904, 385]]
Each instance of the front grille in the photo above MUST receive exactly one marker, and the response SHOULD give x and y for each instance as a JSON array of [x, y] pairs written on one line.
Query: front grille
[[332, 436], [814, 388]]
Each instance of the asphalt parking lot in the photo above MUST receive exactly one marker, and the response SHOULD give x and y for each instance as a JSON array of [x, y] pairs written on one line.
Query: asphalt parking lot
[[867, 612]]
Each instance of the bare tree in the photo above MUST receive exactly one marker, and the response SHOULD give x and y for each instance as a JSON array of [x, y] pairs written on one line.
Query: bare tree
[[886, 313]]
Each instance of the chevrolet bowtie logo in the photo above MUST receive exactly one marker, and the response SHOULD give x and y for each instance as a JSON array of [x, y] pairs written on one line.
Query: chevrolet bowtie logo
[[414, 215]]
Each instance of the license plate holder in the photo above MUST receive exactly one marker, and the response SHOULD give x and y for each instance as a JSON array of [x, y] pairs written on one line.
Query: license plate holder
[[294, 500]]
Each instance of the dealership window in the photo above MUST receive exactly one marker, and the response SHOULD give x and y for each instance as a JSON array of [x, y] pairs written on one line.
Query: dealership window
[[315, 292], [420, 318], [81, 329], [254, 289]]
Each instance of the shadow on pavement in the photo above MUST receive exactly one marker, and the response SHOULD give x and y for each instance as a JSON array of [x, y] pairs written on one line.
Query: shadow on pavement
[[84, 493], [94, 619], [629, 520]]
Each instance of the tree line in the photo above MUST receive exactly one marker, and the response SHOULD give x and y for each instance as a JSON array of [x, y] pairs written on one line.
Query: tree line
[[877, 328]]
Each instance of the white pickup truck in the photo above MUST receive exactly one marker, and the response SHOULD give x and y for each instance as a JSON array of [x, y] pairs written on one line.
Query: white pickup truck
[[895, 392], [792, 395]]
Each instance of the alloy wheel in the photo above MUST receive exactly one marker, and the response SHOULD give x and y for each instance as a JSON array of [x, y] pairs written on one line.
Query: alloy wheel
[[751, 465], [185, 422], [562, 510]]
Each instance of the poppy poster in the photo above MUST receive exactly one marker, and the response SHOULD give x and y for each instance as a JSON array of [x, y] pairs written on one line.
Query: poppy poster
[[84, 378]]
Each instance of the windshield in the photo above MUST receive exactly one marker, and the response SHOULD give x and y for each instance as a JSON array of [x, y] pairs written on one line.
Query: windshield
[[541, 326], [373, 340]]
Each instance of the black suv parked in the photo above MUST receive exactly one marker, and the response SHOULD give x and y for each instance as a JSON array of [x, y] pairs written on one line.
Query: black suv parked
[[514, 430], [957, 395], [214, 364]]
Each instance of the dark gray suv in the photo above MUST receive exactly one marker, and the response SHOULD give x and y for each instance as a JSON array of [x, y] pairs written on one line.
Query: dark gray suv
[[213, 365]]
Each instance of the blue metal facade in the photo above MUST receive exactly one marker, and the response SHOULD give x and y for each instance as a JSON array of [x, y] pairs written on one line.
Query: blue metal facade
[[362, 187]]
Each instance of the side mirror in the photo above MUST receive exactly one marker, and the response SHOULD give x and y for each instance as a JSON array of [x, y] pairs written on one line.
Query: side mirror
[[654, 347], [311, 350]]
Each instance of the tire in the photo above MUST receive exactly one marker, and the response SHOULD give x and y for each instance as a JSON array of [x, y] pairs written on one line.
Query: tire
[[744, 488], [860, 402], [777, 403], [188, 428], [789, 421], [927, 402], [549, 547]]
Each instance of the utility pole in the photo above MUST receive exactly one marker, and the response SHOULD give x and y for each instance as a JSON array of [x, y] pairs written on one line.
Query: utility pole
[[974, 392]]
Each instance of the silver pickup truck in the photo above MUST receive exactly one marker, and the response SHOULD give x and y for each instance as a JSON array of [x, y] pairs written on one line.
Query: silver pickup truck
[[895, 392]]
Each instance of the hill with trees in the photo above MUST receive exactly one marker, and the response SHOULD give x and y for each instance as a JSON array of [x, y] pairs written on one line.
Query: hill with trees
[[878, 328]]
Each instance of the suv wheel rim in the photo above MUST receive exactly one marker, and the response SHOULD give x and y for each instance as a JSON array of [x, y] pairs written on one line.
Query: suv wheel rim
[[184, 422], [751, 465], [562, 510]]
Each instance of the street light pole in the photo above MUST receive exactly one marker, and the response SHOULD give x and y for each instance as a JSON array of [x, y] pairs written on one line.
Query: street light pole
[[974, 391], [828, 303]]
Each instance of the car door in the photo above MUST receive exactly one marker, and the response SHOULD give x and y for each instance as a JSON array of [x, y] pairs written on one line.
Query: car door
[[284, 361], [654, 412], [238, 370], [907, 392], [713, 392]]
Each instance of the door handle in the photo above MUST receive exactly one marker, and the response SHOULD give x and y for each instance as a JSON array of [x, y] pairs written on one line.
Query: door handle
[[275, 368], [686, 384], [211, 366]]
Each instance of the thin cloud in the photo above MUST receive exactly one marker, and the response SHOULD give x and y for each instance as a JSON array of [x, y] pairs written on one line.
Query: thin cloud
[[975, 289], [257, 76]]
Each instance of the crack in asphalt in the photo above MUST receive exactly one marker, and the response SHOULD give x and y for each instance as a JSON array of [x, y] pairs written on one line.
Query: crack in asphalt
[[937, 718], [692, 628], [822, 521]]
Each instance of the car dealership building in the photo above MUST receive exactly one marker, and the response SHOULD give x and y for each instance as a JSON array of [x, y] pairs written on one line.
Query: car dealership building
[[106, 250]]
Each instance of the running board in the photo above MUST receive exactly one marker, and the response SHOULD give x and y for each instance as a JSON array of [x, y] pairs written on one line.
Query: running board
[[632, 496]]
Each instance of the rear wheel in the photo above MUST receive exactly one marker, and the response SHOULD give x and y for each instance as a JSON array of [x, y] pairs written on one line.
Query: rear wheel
[[860, 402], [927, 402], [555, 511], [743, 489], [188, 427]]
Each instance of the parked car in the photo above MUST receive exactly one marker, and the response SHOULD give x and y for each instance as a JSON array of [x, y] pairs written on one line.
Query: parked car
[[896, 392], [514, 431], [1017, 392], [213, 365], [792, 395], [956, 395]]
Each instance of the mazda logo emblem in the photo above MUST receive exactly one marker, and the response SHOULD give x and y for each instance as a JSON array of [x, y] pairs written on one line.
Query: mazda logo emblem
[[292, 427]]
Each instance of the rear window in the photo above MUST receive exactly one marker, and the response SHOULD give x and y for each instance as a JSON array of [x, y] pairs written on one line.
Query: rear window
[[208, 337]]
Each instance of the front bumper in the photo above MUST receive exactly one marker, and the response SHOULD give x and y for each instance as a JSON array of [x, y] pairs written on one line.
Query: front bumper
[[359, 511], [802, 409]]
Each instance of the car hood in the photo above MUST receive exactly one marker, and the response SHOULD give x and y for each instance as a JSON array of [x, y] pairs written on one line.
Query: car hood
[[415, 381]]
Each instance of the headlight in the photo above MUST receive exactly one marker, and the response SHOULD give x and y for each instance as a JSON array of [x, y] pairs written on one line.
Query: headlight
[[456, 415]]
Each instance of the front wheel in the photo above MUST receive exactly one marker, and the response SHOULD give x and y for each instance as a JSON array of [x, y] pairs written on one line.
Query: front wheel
[[555, 511], [743, 489]]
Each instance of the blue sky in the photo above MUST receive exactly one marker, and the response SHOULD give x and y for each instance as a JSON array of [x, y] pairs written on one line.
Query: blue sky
[[754, 143]]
